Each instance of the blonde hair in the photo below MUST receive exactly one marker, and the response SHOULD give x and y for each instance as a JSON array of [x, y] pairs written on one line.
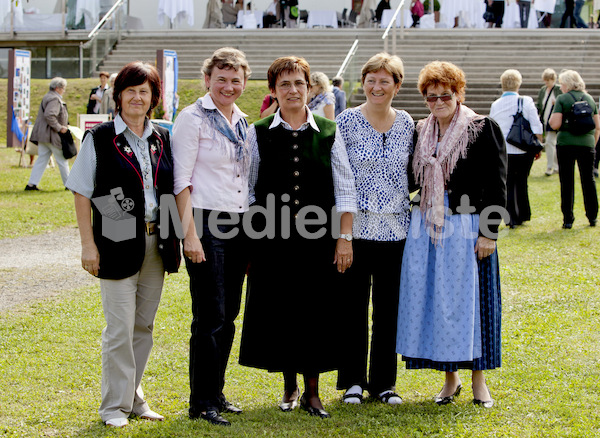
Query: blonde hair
[[549, 74], [572, 80], [443, 73], [511, 80], [383, 61], [320, 79]]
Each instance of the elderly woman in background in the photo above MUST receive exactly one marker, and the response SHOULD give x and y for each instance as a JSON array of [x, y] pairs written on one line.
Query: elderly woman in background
[[379, 141], [51, 121], [107, 105], [211, 176], [519, 161], [449, 313], [575, 147], [545, 104], [125, 166], [300, 172], [321, 98]]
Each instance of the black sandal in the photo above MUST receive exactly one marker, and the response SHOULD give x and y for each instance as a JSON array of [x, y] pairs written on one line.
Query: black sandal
[[385, 398], [352, 395]]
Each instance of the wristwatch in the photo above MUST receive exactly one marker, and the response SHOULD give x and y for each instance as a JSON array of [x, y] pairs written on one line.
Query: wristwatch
[[347, 237]]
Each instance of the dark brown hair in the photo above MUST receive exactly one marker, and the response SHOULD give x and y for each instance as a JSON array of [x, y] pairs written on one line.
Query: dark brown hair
[[287, 64], [136, 73]]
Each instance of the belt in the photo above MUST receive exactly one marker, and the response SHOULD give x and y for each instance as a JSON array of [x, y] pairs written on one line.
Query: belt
[[151, 228]]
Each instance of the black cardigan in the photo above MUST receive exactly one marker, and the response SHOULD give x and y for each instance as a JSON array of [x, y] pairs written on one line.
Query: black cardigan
[[481, 175]]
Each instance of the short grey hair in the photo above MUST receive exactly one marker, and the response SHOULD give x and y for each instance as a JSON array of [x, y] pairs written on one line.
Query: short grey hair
[[320, 79], [57, 83]]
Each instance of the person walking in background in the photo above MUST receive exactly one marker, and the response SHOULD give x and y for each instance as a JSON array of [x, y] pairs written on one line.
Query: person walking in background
[[52, 120], [503, 111], [299, 163], [569, 14], [321, 99], [211, 176], [545, 104], [575, 146], [524, 9], [339, 93], [382, 6], [126, 165], [579, 22], [497, 11], [229, 13], [379, 141], [107, 105], [96, 94], [449, 316]]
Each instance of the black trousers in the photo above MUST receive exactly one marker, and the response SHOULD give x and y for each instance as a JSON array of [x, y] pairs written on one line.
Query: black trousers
[[498, 10], [374, 273], [584, 156], [216, 289], [517, 199], [569, 13]]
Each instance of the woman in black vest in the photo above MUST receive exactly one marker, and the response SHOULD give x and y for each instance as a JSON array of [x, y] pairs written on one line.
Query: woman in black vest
[[299, 173], [122, 174]]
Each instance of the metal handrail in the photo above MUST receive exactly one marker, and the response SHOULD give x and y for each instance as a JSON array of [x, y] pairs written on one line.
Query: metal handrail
[[393, 21], [348, 58], [106, 17]]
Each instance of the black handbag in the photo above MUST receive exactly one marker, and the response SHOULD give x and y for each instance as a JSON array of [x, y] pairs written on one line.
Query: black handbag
[[69, 149], [520, 134]]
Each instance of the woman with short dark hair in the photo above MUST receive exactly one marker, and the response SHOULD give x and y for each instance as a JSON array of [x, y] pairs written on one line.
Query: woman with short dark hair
[[121, 174], [300, 172]]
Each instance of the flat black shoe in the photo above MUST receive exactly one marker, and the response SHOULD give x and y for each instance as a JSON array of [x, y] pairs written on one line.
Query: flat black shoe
[[213, 417], [593, 223], [231, 408], [31, 187], [321, 413], [448, 399], [567, 226]]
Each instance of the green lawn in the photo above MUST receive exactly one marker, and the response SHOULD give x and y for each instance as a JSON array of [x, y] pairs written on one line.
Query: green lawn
[[549, 384]]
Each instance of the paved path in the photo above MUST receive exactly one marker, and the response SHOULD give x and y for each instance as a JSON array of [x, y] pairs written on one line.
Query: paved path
[[40, 266]]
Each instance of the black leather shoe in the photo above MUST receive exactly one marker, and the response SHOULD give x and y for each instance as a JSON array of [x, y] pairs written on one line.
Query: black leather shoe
[[593, 223], [231, 408], [213, 417], [567, 226], [31, 187], [486, 404], [448, 399], [321, 413]]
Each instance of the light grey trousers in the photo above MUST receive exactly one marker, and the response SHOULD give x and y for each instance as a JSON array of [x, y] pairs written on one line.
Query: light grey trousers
[[130, 306]]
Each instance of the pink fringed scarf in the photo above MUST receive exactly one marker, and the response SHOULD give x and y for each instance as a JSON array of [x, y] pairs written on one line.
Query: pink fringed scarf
[[432, 171]]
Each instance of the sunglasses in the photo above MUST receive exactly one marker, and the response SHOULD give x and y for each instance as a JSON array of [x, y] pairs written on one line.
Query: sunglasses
[[443, 97]]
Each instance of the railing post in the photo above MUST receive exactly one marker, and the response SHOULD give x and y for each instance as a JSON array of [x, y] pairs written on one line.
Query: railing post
[[80, 60], [64, 17], [93, 56], [394, 51]]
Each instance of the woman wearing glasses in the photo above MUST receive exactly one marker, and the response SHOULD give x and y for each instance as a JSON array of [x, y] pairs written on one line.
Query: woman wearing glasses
[[449, 316], [379, 141], [299, 177]]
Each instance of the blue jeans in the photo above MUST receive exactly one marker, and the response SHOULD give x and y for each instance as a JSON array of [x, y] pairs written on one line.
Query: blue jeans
[[216, 289], [580, 22]]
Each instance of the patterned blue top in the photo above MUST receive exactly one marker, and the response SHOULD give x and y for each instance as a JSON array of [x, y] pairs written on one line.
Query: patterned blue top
[[379, 162]]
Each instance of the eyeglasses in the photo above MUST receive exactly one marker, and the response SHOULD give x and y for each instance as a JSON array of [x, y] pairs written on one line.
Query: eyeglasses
[[443, 97], [288, 85]]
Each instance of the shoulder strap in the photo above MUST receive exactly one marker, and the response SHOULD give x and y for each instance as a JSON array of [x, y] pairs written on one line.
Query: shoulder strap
[[550, 92]]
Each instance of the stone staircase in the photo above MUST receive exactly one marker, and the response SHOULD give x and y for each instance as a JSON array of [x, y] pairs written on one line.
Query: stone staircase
[[483, 53]]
